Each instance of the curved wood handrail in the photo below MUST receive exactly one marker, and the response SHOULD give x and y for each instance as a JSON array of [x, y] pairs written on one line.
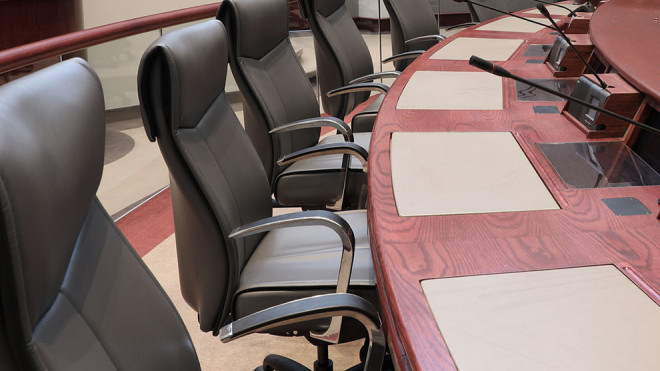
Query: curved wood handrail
[[24, 55]]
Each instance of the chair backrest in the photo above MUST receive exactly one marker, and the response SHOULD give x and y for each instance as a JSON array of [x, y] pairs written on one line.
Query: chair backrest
[[273, 84], [74, 293], [516, 5], [217, 181], [483, 14], [410, 19], [341, 53]]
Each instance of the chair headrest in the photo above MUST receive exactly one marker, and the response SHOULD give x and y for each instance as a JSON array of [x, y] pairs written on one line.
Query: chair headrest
[[52, 142], [190, 69], [249, 20]]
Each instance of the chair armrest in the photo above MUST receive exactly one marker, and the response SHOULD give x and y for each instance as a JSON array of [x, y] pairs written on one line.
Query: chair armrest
[[318, 218], [375, 76], [436, 38], [315, 307], [317, 122], [468, 24], [407, 55], [352, 149], [364, 86], [314, 218]]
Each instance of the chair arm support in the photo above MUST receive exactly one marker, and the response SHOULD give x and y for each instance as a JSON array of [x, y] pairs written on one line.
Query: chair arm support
[[317, 122], [407, 55], [314, 218], [436, 38], [364, 86], [328, 149], [310, 218], [303, 218], [312, 308], [375, 76], [468, 24]]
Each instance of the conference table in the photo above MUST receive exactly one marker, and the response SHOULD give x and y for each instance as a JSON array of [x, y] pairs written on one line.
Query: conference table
[[503, 237]]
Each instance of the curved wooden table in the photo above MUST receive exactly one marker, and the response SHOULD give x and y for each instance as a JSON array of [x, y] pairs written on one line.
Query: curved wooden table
[[584, 232], [627, 35]]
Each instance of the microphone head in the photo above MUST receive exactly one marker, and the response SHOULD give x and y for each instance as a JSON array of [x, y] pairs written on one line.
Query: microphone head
[[489, 67], [543, 10], [481, 63]]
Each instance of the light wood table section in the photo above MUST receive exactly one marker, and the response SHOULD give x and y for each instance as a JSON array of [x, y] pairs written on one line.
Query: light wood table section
[[449, 173], [463, 48], [449, 90], [590, 318], [511, 24]]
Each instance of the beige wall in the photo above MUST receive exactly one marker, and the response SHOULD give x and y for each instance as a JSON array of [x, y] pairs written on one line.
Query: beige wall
[[96, 13]]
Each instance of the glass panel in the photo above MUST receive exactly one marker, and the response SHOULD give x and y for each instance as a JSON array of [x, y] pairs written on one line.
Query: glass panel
[[527, 93], [599, 165], [116, 62]]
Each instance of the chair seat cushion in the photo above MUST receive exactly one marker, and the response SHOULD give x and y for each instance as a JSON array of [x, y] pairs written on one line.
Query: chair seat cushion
[[316, 181], [297, 262]]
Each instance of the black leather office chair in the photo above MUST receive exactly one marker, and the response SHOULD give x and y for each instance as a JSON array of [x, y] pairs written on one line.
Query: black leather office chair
[[278, 97], [234, 258], [74, 294], [413, 28], [343, 61]]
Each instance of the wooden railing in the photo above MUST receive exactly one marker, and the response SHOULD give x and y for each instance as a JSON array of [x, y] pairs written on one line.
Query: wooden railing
[[24, 55]]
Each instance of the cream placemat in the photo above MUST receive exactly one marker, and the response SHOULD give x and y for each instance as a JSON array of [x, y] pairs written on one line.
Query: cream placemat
[[452, 90], [463, 48], [591, 318], [448, 173], [512, 24], [555, 10]]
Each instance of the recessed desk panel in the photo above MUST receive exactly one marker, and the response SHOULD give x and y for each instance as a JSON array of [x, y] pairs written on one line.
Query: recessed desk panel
[[591, 318], [448, 173], [449, 90], [463, 48], [599, 165]]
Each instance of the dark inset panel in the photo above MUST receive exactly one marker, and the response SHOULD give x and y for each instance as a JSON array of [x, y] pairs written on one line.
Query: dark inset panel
[[537, 50], [599, 165], [626, 206], [528, 93], [546, 109]]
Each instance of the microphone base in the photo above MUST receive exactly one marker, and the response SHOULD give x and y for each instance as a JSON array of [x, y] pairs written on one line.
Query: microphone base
[[569, 64], [623, 99], [579, 24]]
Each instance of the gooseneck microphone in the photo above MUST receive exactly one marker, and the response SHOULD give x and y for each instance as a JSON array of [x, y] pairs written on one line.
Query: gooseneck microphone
[[500, 71], [546, 14], [503, 12], [570, 12]]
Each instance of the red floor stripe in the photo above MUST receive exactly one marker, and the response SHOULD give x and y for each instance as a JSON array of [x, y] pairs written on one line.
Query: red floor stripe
[[150, 224]]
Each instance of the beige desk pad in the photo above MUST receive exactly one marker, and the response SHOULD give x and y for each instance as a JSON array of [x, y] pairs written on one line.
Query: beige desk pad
[[512, 24], [449, 173], [591, 318], [463, 48], [555, 10], [450, 90]]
